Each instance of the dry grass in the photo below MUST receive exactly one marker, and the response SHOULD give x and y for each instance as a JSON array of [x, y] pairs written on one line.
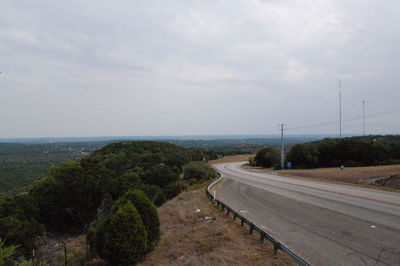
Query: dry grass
[[190, 239], [353, 175], [232, 159], [52, 250]]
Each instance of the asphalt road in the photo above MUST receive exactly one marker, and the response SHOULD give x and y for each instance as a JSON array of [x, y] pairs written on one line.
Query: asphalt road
[[324, 223]]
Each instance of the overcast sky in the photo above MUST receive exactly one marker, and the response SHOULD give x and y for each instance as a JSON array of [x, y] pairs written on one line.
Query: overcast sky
[[118, 67]]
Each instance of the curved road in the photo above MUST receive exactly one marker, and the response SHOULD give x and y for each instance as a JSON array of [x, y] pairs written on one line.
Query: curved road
[[325, 223]]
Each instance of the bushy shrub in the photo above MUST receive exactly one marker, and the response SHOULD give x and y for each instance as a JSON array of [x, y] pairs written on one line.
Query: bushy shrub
[[267, 157], [252, 161], [178, 159], [124, 237], [127, 181], [18, 221], [175, 188], [147, 211], [198, 171], [159, 198], [6, 253], [154, 193], [70, 194], [303, 156]]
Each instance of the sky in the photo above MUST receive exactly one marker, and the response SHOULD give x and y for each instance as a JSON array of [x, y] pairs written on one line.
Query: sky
[[136, 68]]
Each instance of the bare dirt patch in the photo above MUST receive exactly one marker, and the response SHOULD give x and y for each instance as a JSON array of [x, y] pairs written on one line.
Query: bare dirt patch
[[189, 238], [386, 176]]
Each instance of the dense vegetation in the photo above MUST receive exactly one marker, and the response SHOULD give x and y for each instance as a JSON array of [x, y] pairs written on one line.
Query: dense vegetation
[[266, 157], [356, 151], [23, 163], [112, 192]]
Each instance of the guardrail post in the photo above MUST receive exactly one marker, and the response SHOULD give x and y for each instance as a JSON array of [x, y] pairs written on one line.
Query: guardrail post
[[65, 254], [276, 247], [227, 211], [263, 235]]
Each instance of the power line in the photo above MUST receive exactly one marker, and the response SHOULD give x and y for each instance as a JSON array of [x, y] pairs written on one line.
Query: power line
[[340, 109], [363, 102], [346, 120]]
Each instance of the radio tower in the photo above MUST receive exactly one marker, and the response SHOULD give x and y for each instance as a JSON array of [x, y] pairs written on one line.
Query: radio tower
[[282, 128], [363, 102], [340, 109]]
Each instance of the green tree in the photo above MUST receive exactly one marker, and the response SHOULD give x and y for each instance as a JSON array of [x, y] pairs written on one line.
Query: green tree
[[162, 175], [198, 171], [125, 182], [154, 193], [70, 194], [147, 211], [125, 237], [252, 161], [175, 188], [303, 156], [267, 157], [178, 159], [6, 253], [18, 221]]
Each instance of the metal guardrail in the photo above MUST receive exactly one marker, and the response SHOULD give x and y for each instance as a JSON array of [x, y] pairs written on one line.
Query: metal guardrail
[[252, 227]]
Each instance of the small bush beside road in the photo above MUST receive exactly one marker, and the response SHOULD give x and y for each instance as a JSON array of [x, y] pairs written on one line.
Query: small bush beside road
[[198, 171]]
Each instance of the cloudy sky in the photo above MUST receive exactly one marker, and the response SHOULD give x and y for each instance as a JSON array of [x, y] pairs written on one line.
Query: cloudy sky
[[118, 67]]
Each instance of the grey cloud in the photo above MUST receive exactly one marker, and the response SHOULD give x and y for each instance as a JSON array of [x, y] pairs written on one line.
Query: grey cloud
[[81, 68]]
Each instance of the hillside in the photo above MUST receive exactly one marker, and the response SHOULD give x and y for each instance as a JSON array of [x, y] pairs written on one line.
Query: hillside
[[115, 188]]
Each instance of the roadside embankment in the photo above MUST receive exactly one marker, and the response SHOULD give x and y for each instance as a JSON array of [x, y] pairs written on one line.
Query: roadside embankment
[[195, 232]]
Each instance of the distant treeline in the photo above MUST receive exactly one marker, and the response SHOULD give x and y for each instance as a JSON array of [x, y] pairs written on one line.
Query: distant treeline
[[355, 151], [23, 163], [111, 193], [244, 145]]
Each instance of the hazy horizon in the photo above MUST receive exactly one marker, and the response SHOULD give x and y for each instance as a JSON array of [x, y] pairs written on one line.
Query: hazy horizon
[[173, 68], [170, 137]]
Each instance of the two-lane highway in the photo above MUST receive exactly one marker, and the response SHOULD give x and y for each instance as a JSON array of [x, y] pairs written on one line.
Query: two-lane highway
[[325, 223]]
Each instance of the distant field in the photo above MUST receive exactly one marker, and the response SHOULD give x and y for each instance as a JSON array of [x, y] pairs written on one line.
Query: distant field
[[233, 158], [21, 164]]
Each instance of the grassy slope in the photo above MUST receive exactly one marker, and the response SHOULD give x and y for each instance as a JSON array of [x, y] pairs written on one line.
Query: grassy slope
[[189, 239], [351, 175]]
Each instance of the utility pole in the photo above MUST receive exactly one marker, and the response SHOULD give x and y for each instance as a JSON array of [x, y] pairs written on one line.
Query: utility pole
[[282, 146], [340, 109], [363, 102]]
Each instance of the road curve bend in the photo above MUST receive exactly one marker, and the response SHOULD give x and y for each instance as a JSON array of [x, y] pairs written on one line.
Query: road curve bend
[[324, 223]]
